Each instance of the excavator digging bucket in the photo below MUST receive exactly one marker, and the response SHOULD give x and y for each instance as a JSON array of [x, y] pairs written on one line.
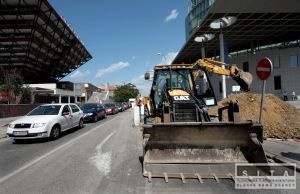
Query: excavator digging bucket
[[200, 150], [244, 79]]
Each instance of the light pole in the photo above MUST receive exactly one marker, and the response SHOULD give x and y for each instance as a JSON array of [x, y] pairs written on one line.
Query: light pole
[[220, 24], [201, 39]]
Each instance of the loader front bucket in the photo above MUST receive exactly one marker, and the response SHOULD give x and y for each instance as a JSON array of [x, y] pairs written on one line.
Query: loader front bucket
[[200, 150]]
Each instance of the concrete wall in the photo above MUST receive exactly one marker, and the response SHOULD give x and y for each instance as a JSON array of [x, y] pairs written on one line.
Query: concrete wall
[[14, 110]]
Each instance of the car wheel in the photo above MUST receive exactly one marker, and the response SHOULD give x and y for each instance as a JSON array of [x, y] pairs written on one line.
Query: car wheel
[[95, 118], [55, 132], [80, 125]]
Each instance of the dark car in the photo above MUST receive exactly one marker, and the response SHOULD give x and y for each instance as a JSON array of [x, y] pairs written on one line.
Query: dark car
[[93, 112], [120, 106], [111, 108]]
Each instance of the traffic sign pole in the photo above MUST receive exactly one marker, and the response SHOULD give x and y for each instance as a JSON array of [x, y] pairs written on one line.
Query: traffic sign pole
[[262, 100], [264, 69]]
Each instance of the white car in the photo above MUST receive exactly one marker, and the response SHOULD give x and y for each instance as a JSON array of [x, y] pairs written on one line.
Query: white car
[[46, 121]]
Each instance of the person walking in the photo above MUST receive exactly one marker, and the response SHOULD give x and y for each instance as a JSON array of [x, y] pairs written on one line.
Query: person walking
[[285, 96], [293, 95]]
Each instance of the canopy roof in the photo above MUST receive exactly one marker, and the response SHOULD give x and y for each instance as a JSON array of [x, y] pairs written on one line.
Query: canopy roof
[[36, 40], [258, 23]]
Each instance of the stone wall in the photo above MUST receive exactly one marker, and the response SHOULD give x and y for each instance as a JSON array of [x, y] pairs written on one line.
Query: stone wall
[[14, 110]]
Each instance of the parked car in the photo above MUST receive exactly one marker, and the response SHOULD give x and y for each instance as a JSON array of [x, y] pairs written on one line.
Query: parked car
[[46, 121], [120, 106], [125, 105], [93, 112], [111, 108]]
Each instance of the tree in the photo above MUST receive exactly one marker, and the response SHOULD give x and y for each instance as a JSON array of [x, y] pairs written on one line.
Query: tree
[[12, 82], [124, 92], [26, 95]]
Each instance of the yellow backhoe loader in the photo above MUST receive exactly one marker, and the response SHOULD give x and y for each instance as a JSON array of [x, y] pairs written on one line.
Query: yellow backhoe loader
[[181, 140]]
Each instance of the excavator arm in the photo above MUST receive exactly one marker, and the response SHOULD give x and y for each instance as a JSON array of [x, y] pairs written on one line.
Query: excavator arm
[[244, 79]]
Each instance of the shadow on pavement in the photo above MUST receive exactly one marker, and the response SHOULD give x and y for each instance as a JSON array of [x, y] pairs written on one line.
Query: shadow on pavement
[[43, 140], [292, 155]]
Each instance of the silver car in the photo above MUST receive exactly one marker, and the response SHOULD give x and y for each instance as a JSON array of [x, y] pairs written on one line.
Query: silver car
[[46, 121]]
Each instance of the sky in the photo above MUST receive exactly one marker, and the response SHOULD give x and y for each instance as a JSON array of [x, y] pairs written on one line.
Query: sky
[[126, 38]]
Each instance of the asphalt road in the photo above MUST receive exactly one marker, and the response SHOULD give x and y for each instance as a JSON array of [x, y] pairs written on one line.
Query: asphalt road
[[102, 157]]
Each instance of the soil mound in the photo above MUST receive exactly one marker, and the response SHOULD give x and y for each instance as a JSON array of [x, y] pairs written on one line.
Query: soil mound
[[280, 119]]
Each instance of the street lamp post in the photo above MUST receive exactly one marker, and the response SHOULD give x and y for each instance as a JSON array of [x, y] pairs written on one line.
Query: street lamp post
[[222, 58], [220, 24]]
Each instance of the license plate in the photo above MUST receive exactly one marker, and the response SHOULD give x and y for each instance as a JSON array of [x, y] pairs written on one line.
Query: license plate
[[20, 133]]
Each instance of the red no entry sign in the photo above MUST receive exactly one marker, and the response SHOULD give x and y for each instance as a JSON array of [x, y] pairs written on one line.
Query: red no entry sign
[[264, 68]]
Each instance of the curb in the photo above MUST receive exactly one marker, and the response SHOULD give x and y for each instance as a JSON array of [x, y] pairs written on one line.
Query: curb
[[280, 159]]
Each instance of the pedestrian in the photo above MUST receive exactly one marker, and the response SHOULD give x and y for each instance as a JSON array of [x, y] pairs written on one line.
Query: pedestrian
[[285, 96], [293, 95]]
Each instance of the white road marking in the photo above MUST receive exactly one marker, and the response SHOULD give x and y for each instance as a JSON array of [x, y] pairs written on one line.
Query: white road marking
[[102, 160], [49, 153]]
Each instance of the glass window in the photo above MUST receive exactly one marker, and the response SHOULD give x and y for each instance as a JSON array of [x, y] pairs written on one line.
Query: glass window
[[246, 66], [46, 110], [276, 62], [74, 108], [167, 79], [220, 87], [294, 60], [277, 82]]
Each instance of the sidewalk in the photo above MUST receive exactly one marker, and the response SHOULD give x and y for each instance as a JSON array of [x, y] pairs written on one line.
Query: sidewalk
[[295, 103], [283, 151], [3, 125]]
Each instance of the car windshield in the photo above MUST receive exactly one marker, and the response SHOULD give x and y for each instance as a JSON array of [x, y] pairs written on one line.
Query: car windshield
[[46, 110], [88, 106]]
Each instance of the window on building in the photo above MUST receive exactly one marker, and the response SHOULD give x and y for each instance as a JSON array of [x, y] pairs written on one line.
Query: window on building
[[294, 60], [220, 87], [246, 66], [276, 62], [277, 82]]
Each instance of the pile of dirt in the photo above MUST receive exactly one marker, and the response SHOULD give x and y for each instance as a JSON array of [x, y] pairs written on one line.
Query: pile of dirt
[[279, 118]]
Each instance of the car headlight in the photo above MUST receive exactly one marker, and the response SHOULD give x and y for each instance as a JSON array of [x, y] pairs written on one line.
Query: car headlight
[[35, 125], [88, 114], [11, 125]]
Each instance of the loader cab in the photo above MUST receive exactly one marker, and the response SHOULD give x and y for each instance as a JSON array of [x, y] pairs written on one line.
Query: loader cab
[[165, 80]]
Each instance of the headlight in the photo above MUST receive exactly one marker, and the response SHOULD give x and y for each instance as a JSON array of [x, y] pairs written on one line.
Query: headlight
[[11, 125], [35, 125], [88, 114]]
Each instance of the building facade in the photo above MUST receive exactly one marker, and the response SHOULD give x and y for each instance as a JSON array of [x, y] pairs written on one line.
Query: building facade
[[284, 56], [197, 11], [285, 75], [62, 92]]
